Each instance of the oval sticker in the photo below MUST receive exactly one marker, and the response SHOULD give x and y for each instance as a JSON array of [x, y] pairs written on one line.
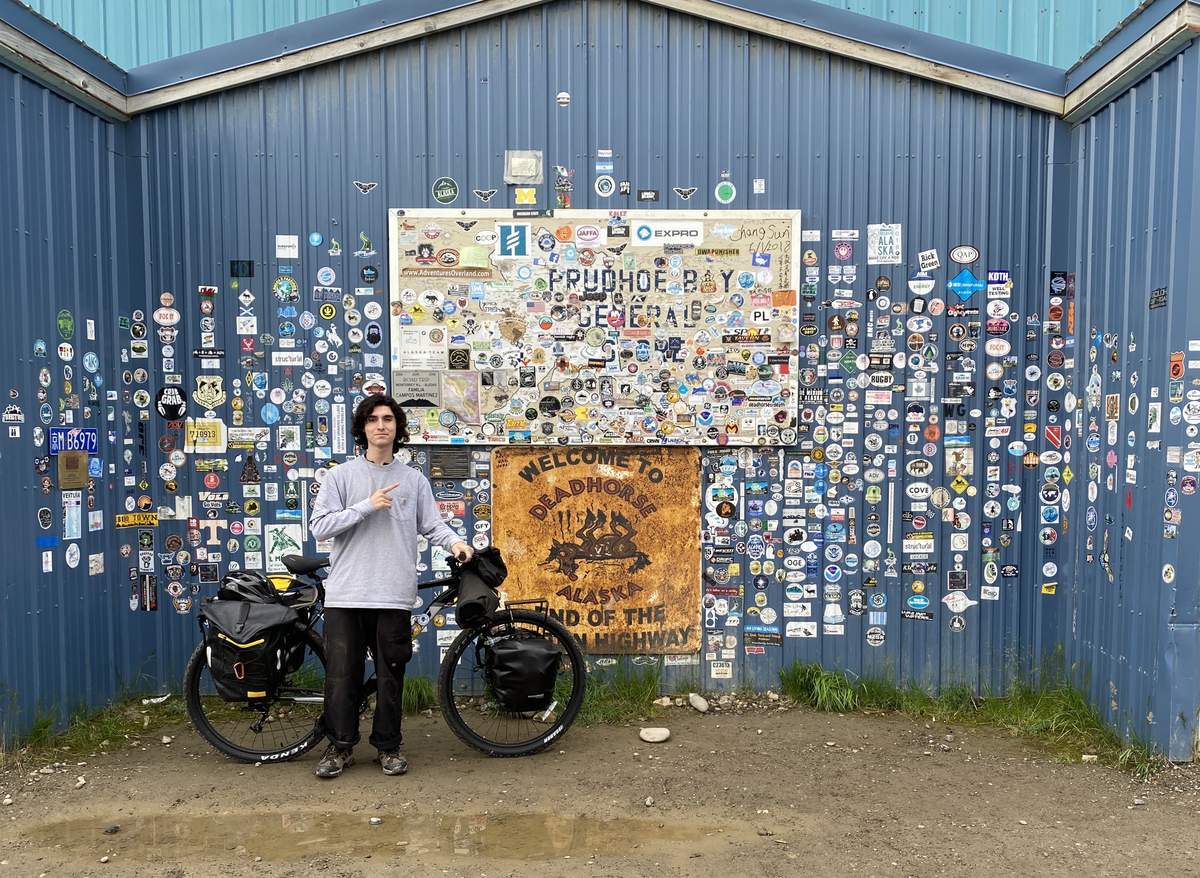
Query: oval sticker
[[964, 254], [919, 467], [918, 490]]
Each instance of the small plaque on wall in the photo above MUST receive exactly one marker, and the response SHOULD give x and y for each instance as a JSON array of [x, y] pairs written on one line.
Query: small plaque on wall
[[449, 463]]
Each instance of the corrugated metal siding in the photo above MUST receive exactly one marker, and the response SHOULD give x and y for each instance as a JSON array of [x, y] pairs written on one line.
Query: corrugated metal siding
[[678, 101], [131, 33], [1132, 637], [66, 638]]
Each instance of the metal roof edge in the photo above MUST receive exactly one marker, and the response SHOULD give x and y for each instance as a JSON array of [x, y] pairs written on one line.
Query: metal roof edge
[[882, 43], [1143, 41], [857, 37], [1165, 38], [276, 44], [40, 49], [895, 37], [277, 52], [1126, 32], [62, 43]]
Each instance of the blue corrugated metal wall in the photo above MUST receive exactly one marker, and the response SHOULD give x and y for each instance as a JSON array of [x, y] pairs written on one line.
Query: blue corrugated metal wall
[[846, 143], [216, 179], [66, 638], [1131, 629], [131, 33]]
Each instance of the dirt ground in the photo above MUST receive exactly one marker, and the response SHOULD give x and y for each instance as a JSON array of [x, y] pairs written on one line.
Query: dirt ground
[[772, 792]]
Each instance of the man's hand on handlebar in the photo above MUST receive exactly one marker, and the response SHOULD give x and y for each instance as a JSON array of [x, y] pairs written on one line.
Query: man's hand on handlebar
[[462, 552]]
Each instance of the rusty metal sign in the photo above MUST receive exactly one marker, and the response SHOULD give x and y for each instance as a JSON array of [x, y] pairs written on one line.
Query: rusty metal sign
[[610, 536]]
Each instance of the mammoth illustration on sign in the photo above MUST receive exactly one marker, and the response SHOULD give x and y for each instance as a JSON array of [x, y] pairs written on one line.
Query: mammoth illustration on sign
[[594, 545]]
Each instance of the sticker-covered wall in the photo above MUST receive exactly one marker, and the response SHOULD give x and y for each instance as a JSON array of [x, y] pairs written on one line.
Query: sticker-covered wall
[[66, 636], [885, 539], [1130, 618], [880, 395]]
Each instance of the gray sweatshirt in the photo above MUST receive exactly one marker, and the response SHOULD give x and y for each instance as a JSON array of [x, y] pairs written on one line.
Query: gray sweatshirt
[[374, 558]]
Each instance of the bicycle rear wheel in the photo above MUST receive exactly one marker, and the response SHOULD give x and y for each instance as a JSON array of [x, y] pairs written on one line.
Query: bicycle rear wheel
[[274, 730], [470, 707]]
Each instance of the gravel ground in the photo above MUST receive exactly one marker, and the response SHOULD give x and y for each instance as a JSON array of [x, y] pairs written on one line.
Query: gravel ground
[[748, 788]]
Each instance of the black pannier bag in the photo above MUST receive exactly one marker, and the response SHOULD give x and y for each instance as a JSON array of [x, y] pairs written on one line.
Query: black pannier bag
[[478, 580], [476, 600], [522, 670], [250, 647], [490, 567]]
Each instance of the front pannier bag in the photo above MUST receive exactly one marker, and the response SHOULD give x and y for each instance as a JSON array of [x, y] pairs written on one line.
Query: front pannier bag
[[478, 580], [250, 647]]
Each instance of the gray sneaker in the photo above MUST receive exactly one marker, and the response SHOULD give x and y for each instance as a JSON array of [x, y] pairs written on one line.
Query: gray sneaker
[[334, 761], [393, 762]]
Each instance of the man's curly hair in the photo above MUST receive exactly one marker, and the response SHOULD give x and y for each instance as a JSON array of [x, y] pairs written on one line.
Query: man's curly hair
[[358, 427]]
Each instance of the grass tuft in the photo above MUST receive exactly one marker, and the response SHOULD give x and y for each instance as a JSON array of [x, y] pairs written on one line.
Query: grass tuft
[[88, 731], [813, 685], [419, 695], [622, 696], [1055, 714]]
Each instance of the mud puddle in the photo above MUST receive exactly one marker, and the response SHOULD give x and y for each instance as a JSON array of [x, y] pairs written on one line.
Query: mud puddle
[[292, 836]]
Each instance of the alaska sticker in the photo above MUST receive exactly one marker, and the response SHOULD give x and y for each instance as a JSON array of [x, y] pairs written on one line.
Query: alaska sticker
[[445, 190]]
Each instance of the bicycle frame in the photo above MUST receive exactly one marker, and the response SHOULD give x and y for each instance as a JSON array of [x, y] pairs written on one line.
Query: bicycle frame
[[439, 603], [447, 598]]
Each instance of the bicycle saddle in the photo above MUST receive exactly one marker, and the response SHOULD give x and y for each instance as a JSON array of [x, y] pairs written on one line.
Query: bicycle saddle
[[300, 565]]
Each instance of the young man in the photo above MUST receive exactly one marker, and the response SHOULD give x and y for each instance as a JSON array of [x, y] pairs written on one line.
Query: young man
[[373, 507]]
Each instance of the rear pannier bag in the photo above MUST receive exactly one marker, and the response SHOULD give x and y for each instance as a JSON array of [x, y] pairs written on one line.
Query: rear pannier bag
[[522, 670], [250, 647]]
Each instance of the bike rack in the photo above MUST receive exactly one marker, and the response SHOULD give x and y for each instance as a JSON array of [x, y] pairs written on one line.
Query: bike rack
[[540, 605]]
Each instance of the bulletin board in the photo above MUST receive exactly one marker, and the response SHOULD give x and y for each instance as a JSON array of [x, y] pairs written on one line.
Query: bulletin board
[[553, 328]]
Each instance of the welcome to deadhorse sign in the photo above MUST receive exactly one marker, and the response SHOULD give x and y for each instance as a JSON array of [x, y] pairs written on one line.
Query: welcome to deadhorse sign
[[610, 536]]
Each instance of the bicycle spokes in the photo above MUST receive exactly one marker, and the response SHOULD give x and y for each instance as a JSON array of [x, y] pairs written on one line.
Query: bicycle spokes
[[268, 727], [476, 713]]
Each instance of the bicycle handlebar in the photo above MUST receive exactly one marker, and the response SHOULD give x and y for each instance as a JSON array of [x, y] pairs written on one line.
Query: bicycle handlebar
[[438, 583]]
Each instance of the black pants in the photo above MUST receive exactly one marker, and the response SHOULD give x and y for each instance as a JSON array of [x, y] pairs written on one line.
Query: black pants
[[348, 633]]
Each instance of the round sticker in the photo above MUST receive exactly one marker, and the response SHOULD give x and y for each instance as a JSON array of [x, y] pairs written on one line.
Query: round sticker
[[445, 190], [725, 192]]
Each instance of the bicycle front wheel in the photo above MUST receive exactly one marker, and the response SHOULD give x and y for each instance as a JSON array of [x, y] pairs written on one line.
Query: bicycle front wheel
[[263, 731], [470, 707]]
